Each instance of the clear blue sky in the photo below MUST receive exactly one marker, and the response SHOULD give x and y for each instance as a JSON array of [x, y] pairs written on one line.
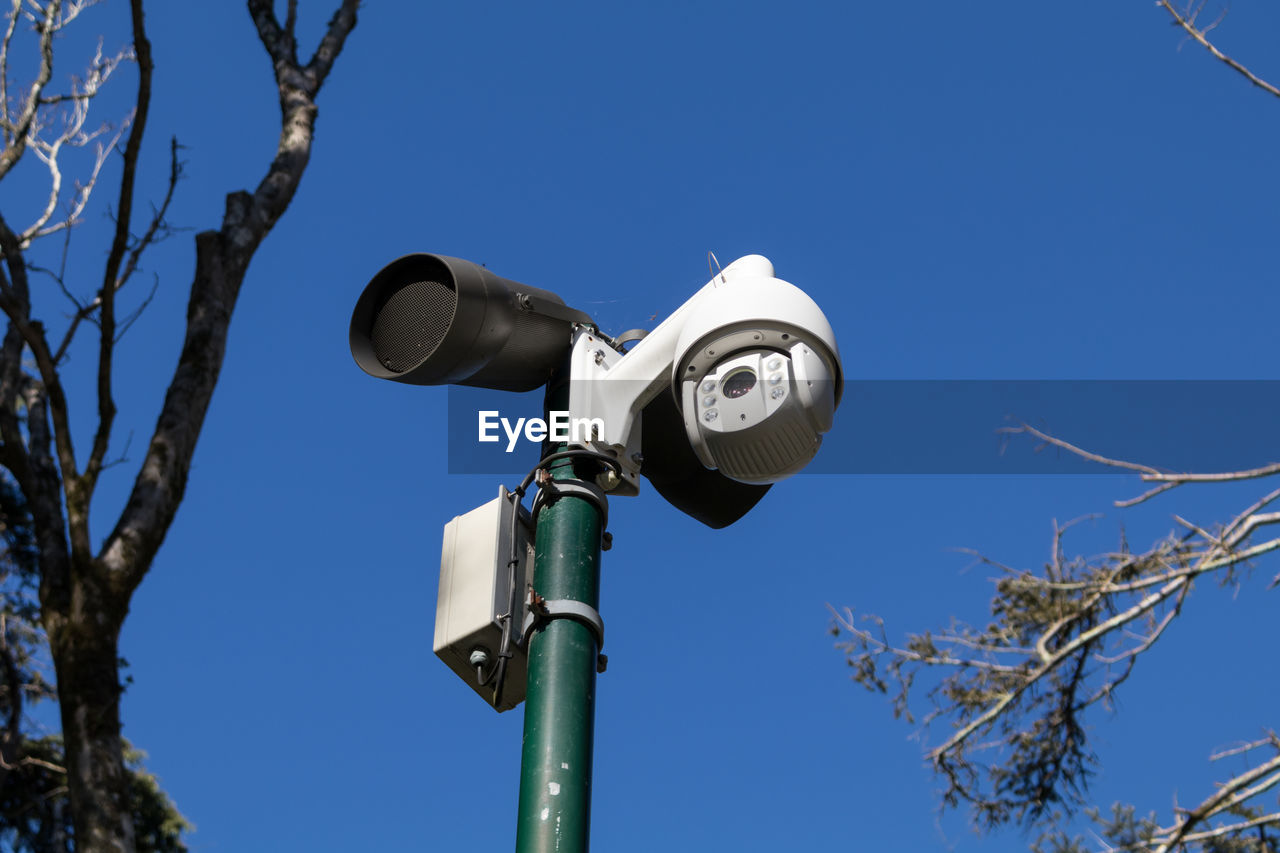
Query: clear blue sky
[[1011, 190]]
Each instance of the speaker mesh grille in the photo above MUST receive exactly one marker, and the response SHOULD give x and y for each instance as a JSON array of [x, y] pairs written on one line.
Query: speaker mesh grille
[[411, 323]]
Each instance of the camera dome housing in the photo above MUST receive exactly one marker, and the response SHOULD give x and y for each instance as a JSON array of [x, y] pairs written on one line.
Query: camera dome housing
[[757, 377]]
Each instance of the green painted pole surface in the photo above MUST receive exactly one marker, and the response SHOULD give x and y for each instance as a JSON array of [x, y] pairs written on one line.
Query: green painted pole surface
[[559, 714]]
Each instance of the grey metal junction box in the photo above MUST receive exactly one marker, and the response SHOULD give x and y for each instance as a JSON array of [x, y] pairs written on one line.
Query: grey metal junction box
[[478, 587]]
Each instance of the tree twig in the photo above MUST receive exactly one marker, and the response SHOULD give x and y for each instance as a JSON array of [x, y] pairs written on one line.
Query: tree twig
[[1187, 23]]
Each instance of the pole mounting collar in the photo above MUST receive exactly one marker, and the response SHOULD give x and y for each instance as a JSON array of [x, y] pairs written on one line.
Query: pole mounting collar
[[551, 490], [542, 611]]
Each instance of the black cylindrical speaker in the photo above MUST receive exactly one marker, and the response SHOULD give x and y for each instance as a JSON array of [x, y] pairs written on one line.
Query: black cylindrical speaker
[[435, 320]]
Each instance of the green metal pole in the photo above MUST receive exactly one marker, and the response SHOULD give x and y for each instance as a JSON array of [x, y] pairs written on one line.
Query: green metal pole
[[559, 714]]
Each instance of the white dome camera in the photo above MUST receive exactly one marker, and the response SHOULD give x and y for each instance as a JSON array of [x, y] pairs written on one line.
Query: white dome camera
[[757, 377], [728, 395]]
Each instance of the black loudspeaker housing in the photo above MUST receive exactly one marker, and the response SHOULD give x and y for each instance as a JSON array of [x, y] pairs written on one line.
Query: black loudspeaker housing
[[435, 320]]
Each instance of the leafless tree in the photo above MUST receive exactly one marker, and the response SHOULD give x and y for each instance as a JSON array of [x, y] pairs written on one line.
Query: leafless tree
[[1062, 640], [85, 592]]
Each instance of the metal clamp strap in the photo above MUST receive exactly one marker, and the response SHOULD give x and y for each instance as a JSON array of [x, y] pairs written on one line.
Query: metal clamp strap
[[563, 608], [631, 335], [556, 310], [550, 490]]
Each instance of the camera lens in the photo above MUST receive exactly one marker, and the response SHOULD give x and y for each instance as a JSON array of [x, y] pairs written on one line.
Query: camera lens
[[739, 382]]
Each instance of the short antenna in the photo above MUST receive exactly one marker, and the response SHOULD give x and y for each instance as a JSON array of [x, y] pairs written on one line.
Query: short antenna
[[716, 271]]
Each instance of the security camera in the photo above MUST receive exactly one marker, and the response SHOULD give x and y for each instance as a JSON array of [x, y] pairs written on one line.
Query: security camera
[[753, 367], [758, 377], [759, 416], [729, 394]]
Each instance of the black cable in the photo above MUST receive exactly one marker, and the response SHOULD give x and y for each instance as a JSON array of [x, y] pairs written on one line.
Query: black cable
[[499, 673], [504, 648], [580, 452], [481, 678], [500, 677]]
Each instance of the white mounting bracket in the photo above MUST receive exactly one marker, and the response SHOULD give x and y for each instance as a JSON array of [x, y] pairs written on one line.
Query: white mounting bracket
[[611, 406], [610, 389]]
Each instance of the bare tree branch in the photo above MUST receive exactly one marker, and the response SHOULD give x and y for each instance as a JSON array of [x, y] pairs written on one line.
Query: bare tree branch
[[157, 227], [15, 302], [1232, 829], [11, 24], [331, 45], [18, 129], [119, 245], [1148, 473], [1229, 795], [1186, 20], [72, 134], [222, 258], [1061, 641]]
